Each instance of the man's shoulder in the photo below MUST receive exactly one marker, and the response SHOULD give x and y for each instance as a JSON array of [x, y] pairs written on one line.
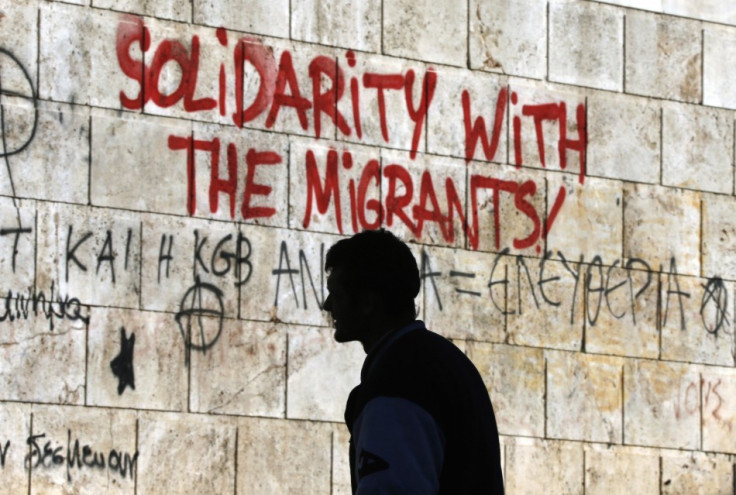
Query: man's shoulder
[[425, 345]]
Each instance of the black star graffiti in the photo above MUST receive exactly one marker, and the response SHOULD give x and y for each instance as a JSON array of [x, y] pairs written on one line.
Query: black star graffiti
[[122, 364]]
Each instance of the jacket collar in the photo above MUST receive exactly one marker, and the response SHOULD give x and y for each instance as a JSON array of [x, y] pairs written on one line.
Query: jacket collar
[[384, 343]]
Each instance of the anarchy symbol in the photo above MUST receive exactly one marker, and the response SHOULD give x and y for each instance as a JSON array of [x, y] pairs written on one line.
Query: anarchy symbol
[[200, 317], [715, 294], [17, 130]]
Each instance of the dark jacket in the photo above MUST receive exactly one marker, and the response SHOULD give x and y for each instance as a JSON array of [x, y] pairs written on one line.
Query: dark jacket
[[421, 420]]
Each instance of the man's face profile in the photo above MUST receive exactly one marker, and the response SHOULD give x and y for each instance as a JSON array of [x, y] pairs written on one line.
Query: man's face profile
[[344, 308]]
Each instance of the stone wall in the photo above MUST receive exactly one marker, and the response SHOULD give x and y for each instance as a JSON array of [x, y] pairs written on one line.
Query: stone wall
[[173, 172]]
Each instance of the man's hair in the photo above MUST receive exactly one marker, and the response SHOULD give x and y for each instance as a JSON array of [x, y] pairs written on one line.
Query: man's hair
[[377, 261]]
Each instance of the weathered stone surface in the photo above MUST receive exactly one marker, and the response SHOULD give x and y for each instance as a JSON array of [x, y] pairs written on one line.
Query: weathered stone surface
[[241, 372], [18, 248], [663, 57], [270, 19], [557, 467], [718, 396], [514, 377], [719, 46], [661, 404], [509, 37], [19, 23], [341, 484], [718, 250], [457, 300], [662, 227], [697, 148], [277, 456], [150, 344], [129, 142], [622, 310], [20, 119], [586, 45], [321, 374], [179, 10], [620, 471], [77, 59], [42, 358], [589, 221], [624, 137], [584, 397], [16, 421], [696, 474], [93, 450], [353, 24], [435, 31], [54, 167], [162, 193], [697, 320], [205, 448]]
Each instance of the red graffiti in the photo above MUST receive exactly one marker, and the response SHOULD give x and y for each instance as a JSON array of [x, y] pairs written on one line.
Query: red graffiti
[[401, 206], [279, 87], [131, 32], [228, 185], [687, 400], [279, 90], [476, 130]]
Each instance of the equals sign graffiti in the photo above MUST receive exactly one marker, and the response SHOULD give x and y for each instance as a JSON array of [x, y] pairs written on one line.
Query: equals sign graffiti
[[453, 273]]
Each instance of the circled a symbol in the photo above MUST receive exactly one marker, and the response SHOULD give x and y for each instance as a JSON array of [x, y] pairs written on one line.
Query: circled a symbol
[[18, 110]]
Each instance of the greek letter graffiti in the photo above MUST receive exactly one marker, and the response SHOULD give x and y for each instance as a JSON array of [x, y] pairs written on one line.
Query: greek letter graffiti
[[713, 306], [51, 454]]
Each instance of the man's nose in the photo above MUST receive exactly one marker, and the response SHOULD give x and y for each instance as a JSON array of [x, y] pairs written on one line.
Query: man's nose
[[327, 305]]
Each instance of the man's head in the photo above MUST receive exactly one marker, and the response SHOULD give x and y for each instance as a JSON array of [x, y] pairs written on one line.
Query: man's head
[[373, 280]]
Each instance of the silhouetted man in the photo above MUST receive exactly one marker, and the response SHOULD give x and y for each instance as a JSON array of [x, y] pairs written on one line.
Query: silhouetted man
[[421, 421]]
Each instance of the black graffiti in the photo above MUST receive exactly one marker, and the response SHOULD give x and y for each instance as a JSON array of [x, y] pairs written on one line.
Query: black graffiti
[[107, 254], [20, 305], [595, 286], [122, 364], [3, 453], [222, 260], [26, 93], [202, 303], [47, 456], [51, 454], [427, 272], [673, 289], [15, 232], [305, 273], [715, 295]]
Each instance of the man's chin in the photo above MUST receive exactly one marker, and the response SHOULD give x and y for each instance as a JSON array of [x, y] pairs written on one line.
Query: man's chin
[[341, 336]]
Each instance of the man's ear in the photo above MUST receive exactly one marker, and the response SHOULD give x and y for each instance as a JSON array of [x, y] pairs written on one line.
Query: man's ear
[[369, 303]]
